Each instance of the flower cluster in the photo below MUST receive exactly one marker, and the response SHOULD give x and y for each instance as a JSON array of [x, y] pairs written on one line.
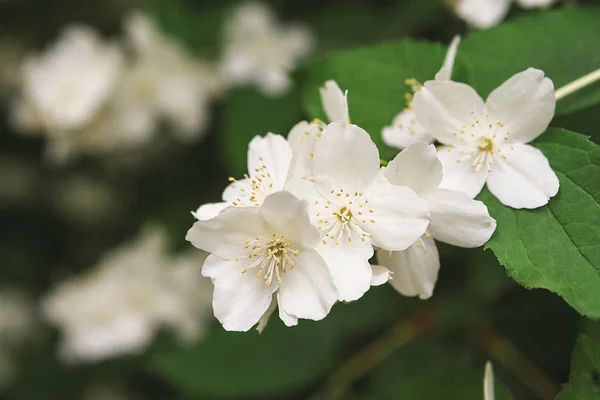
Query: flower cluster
[[297, 233], [135, 290], [487, 13], [89, 95]]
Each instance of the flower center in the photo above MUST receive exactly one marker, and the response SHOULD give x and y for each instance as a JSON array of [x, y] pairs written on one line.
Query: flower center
[[255, 188], [486, 145], [271, 256], [340, 224]]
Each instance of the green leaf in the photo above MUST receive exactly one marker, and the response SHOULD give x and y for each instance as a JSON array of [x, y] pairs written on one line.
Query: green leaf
[[228, 364], [375, 79], [249, 113], [557, 246], [563, 43], [467, 386], [585, 371]]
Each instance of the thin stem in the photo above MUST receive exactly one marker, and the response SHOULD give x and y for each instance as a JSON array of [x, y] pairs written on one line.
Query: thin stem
[[506, 353], [577, 84], [374, 353]]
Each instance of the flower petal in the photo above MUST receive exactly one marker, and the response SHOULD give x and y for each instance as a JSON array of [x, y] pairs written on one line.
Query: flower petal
[[405, 131], [270, 154], [445, 73], [524, 104], [415, 269], [335, 102], [225, 235], [524, 179], [488, 382], [399, 216], [457, 219], [345, 157], [459, 173], [380, 275], [288, 320], [444, 108], [307, 291], [535, 3], [303, 138], [482, 13], [285, 214], [210, 210], [239, 300], [416, 167], [264, 320], [349, 266]]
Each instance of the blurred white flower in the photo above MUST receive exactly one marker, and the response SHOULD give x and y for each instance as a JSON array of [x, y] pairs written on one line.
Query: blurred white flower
[[257, 252], [260, 50], [455, 218], [65, 87], [486, 142], [166, 81], [405, 129], [487, 13], [118, 307], [269, 160]]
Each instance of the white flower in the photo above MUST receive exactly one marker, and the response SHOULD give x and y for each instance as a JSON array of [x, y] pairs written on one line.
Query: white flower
[[165, 80], [487, 13], [68, 84], [488, 382], [486, 142], [260, 51], [117, 307], [455, 218], [405, 129], [355, 207], [259, 251], [269, 160]]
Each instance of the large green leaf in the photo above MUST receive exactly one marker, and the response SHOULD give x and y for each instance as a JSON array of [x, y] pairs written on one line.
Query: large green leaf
[[563, 43], [375, 79], [585, 371], [557, 246]]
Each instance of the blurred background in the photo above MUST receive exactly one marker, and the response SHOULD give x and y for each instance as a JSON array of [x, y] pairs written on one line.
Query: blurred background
[[119, 118]]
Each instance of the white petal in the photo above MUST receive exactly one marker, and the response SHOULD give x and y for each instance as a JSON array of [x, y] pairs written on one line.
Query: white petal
[[285, 214], [303, 138], [524, 104], [345, 157], [208, 211], [415, 269], [349, 267], [416, 167], [274, 82], [335, 102], [524, 179], [535, 3], [307, 291], [457, 219], [405, 131], [445, 73], [444, 108], [239, 300], [270, 154], [225, 235], [482, 13], [380, 275], [488, 382], [264, 320], [459, 173], [399, 216], [288, 320]]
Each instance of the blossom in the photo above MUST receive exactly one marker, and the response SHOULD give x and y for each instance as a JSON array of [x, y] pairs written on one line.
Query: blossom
[[455, 218], [257, 252], [355, 207], [405, 129], [261, 51], [118, 306], [487, 13], [65, 87], [269, 160], [166, 81], [488, 382], [486, 142]]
